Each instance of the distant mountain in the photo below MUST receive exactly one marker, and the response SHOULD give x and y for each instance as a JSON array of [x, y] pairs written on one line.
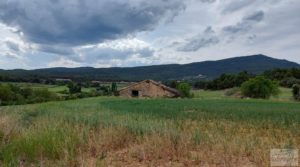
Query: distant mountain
[[211, 69]]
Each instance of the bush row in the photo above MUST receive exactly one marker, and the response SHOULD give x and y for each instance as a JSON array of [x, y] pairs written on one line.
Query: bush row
[[13, 95]]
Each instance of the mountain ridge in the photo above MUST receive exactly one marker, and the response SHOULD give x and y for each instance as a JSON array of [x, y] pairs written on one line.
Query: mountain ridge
[[254, 64]]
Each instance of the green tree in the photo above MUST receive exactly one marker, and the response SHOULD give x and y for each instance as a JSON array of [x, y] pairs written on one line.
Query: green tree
[[171, 83], [296, 92], [6, 94], [289, 82], [114, 88], [184, 89], [241, 78], [74, 88], [43, 95], [104, 90], [260, 87], [9, 94], [26, 92]]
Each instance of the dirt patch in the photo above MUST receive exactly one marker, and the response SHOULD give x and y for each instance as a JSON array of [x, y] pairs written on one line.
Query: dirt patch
[[136, 156]]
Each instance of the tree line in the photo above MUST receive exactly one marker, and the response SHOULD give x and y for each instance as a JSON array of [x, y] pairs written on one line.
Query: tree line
[[255, 86], [12, 94], [251, 85], [285, 78]]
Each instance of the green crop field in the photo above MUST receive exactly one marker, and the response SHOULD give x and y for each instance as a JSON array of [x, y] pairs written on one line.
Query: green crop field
[[209, 129]]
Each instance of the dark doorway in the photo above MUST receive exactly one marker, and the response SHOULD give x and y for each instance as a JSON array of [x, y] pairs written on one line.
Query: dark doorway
[[135, 93]]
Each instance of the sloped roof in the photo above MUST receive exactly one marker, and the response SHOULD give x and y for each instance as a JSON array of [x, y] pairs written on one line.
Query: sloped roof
[[155, 83]]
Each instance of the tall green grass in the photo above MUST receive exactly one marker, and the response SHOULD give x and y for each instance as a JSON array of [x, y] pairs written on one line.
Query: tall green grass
[[72, 133]]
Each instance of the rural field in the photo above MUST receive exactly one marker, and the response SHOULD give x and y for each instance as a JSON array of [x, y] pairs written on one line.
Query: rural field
[[139, 83], [207, 130]]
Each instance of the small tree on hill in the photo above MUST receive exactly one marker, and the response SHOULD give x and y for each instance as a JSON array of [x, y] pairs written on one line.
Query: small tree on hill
[[184, 89], [260, 87], [296, 92]]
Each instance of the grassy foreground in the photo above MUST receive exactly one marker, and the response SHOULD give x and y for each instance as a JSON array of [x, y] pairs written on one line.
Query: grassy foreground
[[151, 132]]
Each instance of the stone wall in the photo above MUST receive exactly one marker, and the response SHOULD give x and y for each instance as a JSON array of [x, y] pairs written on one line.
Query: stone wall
[[146, 89]]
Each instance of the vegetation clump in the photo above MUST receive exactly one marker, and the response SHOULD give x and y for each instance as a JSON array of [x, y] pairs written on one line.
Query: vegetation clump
[[225, 81], [114, 88], [233, 92], [74, 88], [13, 95], [184, 90], [286, 78], [296, 92], [260, 87], [289, 82]]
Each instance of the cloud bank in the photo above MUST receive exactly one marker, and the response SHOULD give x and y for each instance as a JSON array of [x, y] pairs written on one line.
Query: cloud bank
[[106, 33], [80, 22]]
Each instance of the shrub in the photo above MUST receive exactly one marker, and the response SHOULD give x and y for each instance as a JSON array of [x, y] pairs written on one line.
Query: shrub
[[171, 83], [114, 88], [184, 89], [26, 92], [19, 99], [260, 87], [43, 95], [6, 94], [10, 95], [296, 92], [93, 93], [74, 88], [14, 95], [289, 82], [104, 90], [224, 81], [232, 92]]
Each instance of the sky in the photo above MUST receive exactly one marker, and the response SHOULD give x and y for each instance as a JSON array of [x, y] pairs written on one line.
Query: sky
[[125, 33]]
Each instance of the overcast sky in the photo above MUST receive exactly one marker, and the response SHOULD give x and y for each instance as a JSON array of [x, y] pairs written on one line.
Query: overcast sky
[[110, 33]]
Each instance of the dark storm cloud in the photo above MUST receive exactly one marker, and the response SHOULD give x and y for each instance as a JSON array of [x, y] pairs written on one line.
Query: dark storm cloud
[[77, 22], [246, 24], [207, 38]]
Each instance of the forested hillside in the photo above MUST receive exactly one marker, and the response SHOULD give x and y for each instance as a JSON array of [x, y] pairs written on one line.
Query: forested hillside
[[209, 69]]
